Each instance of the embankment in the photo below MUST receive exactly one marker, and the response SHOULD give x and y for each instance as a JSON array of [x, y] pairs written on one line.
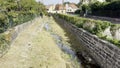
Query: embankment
[[102, 52]]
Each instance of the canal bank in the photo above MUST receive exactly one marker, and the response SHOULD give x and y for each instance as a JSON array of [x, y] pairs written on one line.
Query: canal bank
[[71, 43], [86, 60], [36, 48], [58, 34]]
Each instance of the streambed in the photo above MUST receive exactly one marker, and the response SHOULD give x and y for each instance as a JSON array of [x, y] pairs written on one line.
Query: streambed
[[67, 49]]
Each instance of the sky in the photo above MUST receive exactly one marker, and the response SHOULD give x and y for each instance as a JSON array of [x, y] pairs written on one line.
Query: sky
[[48, 2]]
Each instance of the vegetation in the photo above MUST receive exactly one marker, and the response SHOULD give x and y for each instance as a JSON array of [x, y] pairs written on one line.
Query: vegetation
[[93, 26], [110, 0], [15, 12], [109, 9]]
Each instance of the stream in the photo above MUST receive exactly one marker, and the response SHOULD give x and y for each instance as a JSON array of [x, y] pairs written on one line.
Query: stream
[[63, 46], [67, 49]]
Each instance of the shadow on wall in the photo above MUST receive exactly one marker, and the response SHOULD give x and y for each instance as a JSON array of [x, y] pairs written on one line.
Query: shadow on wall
[[77, 46]]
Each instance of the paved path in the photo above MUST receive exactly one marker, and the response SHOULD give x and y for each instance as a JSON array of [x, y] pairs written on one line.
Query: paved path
[[35, 48]]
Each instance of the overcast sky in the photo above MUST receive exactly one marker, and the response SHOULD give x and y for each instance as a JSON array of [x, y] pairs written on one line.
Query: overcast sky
[[47, 2]]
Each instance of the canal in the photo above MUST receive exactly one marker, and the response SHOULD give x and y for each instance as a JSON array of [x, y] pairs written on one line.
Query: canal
[[70, 46]]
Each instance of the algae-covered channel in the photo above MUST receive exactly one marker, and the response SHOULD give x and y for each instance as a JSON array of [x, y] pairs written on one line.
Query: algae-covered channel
[[62, 44], [59, 42]]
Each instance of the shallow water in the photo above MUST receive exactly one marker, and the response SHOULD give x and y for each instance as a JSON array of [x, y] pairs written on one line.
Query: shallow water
[[63, 46], [67, 49]]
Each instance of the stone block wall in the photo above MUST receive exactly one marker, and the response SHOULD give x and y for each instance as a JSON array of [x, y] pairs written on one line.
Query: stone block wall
[[104, 53], [16, 30], [12, 34]]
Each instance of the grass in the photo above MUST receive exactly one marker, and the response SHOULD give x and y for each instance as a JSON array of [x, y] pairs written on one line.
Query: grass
[[67, 37], [35, 48]]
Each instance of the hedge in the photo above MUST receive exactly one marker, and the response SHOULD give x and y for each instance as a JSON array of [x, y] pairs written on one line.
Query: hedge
[[108, 9], [99, 26]]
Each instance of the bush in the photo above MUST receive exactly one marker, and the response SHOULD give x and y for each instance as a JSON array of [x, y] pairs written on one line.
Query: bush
[[14, 12], [85, 7], [93, 26], [3, 39], [108, 9], [17, 12], [98, 26], [78, 11], [3, 22]]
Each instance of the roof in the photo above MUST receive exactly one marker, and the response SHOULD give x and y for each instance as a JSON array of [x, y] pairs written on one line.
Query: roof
[[73, 6], [59, 7]]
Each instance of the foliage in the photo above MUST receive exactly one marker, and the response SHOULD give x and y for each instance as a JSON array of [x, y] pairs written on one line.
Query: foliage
[[4, 44], [85, 7], [110, 9], [110, 0], [3, 22], [99, 26], [14, 12], [93, 26], [66, 3], [2, 38], [78, 11]]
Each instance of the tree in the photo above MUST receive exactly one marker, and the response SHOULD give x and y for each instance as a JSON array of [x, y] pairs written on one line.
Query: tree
[[66, 3], [13, 12], [111, 0]]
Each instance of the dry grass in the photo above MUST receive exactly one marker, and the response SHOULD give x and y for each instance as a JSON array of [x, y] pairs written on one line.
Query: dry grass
[[67, 38], [66, 35], [35, 48]]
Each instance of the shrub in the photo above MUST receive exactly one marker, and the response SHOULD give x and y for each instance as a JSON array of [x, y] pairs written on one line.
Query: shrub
[[108, 9], [78, 11], [93, 26]]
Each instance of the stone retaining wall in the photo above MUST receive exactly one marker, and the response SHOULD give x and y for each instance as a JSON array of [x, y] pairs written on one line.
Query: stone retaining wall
[[11, 35], [104, 53], [16, 30]]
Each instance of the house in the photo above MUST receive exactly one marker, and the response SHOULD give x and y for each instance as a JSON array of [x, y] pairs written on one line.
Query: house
[[50, 8], [67, 8], [59, 8], [71, 8]]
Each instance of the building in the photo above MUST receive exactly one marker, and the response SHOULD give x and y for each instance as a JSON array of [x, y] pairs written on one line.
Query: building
[[59, 8], [50, 8], [71, 8]]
